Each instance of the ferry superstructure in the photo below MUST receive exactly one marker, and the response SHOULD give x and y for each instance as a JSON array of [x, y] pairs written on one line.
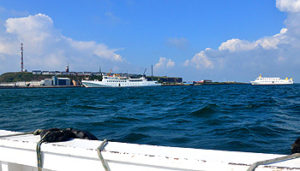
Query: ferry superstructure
[[271, 81], [117, 81]]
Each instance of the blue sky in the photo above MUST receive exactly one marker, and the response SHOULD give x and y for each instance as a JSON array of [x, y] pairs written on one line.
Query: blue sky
[[222, 40]]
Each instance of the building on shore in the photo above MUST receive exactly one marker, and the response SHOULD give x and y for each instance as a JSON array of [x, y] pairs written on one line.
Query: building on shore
[[39, 78], [48, 82], [202, 82], [60, 81]]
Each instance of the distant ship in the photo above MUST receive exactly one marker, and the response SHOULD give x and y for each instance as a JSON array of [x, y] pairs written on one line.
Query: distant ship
[[272, 81], [118, 81]]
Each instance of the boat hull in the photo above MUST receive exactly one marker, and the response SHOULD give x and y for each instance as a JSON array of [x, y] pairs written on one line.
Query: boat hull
[[18, 153], [90, 84], [280, 83]]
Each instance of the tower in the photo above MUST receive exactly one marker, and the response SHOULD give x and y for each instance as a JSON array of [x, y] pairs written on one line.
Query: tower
[[22, 64], [67, 68]]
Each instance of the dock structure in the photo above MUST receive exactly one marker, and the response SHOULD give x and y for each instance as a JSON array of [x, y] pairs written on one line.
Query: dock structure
[[18, 153]]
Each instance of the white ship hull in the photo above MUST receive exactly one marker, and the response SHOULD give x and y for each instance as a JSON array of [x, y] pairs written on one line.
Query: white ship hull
[[119, 84], [270, 83]]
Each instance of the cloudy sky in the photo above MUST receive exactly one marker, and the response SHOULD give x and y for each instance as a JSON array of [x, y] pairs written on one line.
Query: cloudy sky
[[230, 40]]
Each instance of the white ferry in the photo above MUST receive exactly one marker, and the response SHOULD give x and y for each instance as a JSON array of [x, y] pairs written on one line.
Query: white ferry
[[272, 81], [117, 81]]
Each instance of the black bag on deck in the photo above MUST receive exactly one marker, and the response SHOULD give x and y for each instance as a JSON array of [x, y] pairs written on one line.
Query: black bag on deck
[[58, 135], [296, 146]]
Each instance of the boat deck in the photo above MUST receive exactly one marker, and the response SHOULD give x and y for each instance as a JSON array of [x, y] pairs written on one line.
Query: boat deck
[[19, 153]]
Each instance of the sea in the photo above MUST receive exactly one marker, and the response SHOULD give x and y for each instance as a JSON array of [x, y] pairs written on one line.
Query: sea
[[264, 119]]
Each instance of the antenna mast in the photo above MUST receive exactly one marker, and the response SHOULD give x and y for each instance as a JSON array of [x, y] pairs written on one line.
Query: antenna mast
[[152, 70], [22, 64]]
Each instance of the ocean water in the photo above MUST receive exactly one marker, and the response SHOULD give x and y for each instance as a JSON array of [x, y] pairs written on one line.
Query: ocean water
[[223, 117]]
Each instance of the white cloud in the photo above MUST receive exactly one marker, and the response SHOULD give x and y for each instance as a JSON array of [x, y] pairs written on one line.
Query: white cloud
[[237, 59], [200, 60], [236, 45], [45, 46], [164, 63], [100, 50], [37, 27], [288, 5], [170, 63], [271, 42]]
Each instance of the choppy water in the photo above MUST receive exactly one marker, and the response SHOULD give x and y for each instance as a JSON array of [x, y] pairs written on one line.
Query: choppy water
[[224, 117]]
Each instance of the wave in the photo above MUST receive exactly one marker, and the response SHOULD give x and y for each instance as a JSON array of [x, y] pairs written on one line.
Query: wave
[[206, 111], [121, 118], [88, 107]]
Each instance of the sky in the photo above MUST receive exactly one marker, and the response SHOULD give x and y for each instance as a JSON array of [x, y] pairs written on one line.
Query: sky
[[221, 40]]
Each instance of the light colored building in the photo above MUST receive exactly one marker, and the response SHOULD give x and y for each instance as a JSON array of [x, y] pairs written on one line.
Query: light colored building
[[22, 84], [47, 82], [7, 84], [36, 72], [34, 83], [45, 73]]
